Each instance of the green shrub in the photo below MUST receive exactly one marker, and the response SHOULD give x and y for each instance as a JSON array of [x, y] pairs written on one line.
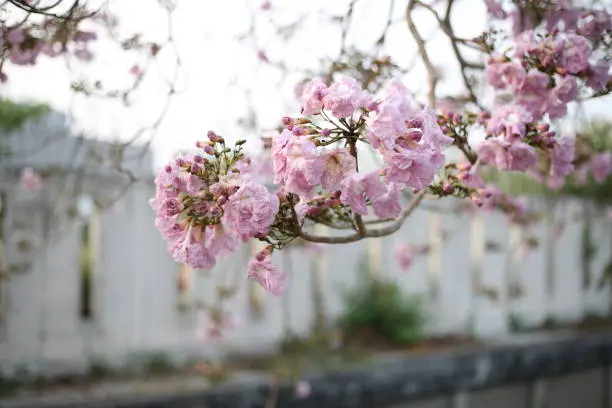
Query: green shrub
[[158, 363], [379, 308]]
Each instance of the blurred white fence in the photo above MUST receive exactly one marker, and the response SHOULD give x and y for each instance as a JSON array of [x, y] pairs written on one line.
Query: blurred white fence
[[135, 303]]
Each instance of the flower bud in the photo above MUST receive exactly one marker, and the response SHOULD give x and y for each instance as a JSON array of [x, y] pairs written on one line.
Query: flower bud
[[261, 255], [287, 122], [326, 132], [372, 106], [414, 123], [208, 149], [448, 188], [213, 137], [313, 211], [214, 211], [222, 200], [298, 131]]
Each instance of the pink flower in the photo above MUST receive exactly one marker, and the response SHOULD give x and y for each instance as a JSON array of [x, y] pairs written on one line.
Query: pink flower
[[339, 164], [495, 9], [299, 166], [411, 168], [388, 121], [219, 240], [191, 251], [511, 121], [214, 323], [302, 389], [386, 125], [263, 271], [533, 93], [562, 156], [30, 180], [261, 56], [405, 253], [566, 90], [343, 97], [515, 156], [15, 36], [575, 55], [601, 166], [136, 71], [251, 210], [387, 205], [502, 74], [598, 75], [312, 96]]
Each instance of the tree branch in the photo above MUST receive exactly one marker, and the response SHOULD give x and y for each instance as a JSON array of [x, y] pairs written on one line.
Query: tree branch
[[376, 233], [431, 70]]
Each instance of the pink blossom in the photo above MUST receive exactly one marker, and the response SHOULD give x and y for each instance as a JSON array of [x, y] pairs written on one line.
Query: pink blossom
[[595, 23], [575, 55], [339, 164], [302, 389], [601, 166], [30, 180], [299, 166], [410, 168], [507, 156], [191, 251], [213, 324], [136, 71], [345, 96], [511, 120], [533, 93], [312, 96], [388, 122], [495, 9], [263, 271], [219, 240], [15, 36], [405, 253], [387, 205], [566, 90], [386, 126], [502, 74], [562, 156], [598, 75], [251, 210], [353, 193], [262, 56]]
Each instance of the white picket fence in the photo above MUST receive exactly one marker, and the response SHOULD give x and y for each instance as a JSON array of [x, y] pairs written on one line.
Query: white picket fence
[[135, 305]]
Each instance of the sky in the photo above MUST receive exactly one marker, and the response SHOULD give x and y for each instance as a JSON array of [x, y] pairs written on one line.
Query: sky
[[219, 75]]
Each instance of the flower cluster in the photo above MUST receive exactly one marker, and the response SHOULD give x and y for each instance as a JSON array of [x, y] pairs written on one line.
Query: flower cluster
[[23, 45], [555, 59], [208, 203], [316, 156], [205, 205]]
